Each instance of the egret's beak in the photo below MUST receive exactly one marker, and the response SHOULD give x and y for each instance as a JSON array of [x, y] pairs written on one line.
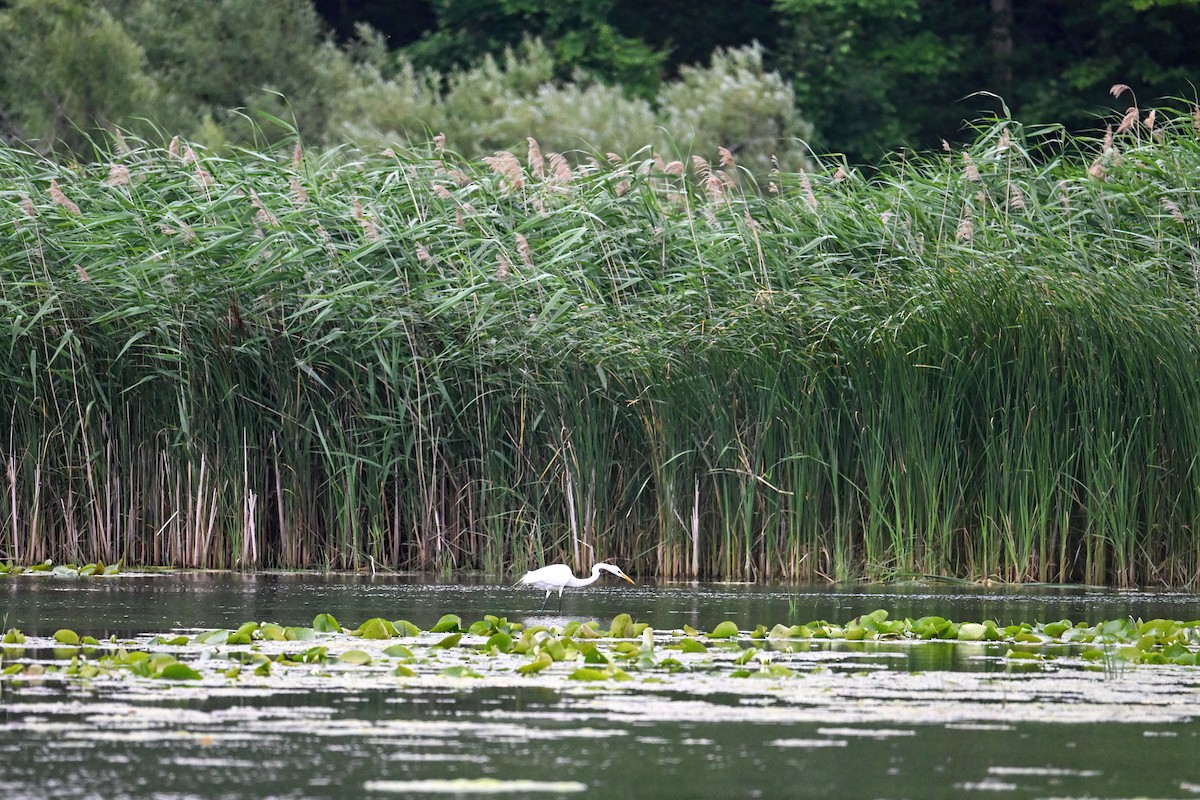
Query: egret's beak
[[626, 577]]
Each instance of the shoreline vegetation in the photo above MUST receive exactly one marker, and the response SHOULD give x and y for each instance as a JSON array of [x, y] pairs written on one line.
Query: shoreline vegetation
[[980, 363]]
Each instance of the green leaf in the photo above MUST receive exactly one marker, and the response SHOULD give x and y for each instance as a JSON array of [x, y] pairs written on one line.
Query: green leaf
[[621, 627], [588, 674], [179, 672], [971, 632], [375, 628], [460, 671], [66, 636], [294, 634], [449, 641], [358, 658], [325, 623], [448, 623], [692, 646], [406, 628], [501, 641], [726, 630], [537, 665], [398, 651], [401, 671]]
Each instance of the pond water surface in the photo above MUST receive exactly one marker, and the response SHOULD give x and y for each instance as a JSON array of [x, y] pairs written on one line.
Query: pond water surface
[[895, 719]]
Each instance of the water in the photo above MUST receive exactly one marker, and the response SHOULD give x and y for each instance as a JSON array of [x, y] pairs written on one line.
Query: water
[[130, 605], [870, 720]]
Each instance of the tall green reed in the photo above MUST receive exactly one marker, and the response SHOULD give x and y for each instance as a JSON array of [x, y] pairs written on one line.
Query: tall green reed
[[980, 363]]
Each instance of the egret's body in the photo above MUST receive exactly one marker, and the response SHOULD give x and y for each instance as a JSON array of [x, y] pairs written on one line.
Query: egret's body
[[559, 577]]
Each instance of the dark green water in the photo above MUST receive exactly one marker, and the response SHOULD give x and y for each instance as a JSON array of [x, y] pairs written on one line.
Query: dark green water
[[131, 605], [124, 739]]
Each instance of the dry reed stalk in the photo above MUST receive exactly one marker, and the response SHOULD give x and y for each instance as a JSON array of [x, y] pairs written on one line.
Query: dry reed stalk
[[263, 215], [61, 199], [368, 227], [537, 164], [173, 147], [1149, 120], [965, 234], [1173, 210], [118, 175], [1196, 118], [1097, 171], [559, 168], [202, 178], [506, 165], [839, 175], [83, 274], [810, 197], [297, 155], [1118, 89], [524, 250], [971, 171], [28, 207], [442, 192], [299, 193], [1016, 198], [1129, 120], [503, 268]]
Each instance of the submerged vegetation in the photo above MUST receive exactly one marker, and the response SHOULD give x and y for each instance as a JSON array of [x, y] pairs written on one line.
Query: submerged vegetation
[[978, 363]]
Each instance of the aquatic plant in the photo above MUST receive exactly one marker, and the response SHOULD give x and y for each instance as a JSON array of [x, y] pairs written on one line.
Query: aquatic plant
[[978, 363]]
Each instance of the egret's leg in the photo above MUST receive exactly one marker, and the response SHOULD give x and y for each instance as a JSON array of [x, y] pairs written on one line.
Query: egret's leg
[[545, 600]]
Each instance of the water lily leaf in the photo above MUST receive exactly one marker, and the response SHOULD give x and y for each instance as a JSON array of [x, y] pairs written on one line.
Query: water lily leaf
[[588, 674], [89, 570], [971, 632], [460, 671], [537, 665], [325, 623], [447, 624], [594, 656], [12, 669], [271, 632], [500, 641], [358, 658], [398, 651], [263, 669], [375, 628], [406, 628], [179, 672], [244, 634], [219, 636], [66, 636], [449, 641], [112, 569], [726, 630], [14, 636], [293, 634], [620, 627], [693, 646], [402, 671]]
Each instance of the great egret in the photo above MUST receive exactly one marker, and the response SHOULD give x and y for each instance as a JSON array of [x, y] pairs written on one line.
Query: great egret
[[559, 576]]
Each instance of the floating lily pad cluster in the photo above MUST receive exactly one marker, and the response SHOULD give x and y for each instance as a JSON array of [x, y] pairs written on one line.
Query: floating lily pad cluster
[[586, 650], [48, 567]]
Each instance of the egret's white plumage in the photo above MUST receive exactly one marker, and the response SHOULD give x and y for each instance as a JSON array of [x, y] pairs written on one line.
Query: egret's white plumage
[[559, 577]]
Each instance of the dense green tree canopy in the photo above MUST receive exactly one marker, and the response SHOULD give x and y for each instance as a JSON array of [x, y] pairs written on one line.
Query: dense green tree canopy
[[870, 76]]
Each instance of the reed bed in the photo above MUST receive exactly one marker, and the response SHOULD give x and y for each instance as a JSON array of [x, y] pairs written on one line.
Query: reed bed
[[979, 363]]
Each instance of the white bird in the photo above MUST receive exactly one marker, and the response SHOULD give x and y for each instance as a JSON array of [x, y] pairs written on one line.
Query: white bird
[[559, 576]]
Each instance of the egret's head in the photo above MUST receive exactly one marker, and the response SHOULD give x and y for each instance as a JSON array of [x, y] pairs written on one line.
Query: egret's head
[[615, 571]]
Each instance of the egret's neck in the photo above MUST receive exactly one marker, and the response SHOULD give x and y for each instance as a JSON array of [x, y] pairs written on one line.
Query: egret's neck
[[578, 582]]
